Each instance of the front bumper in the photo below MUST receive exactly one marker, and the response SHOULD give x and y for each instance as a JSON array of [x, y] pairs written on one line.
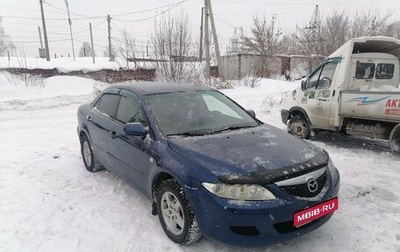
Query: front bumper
[[257, 223]]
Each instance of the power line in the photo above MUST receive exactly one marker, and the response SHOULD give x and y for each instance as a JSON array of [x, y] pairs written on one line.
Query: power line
[[221, 20], [156, 15], [148, 10]]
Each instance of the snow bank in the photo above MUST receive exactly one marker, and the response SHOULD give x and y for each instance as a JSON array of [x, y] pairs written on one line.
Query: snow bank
[[62, 64], [51, 87]]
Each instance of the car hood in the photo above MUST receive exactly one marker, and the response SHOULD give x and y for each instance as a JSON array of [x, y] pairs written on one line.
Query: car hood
[[253, 155]]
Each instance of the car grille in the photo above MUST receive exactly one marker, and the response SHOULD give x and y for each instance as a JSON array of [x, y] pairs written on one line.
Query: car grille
[[302, 190]]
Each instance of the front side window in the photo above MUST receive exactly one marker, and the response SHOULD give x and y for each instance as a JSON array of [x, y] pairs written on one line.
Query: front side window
[[312, 83], [365, 70], [325, 79], [108, 104], [322, 77], [384, 71], [129, 109]]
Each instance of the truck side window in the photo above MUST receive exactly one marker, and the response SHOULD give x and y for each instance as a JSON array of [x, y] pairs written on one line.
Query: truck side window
[[325, 79], [322, 77], [312, 83], [384, 71], [365, 70]]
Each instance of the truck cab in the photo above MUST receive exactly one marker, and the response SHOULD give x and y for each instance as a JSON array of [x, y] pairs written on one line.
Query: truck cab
[[354, 90]]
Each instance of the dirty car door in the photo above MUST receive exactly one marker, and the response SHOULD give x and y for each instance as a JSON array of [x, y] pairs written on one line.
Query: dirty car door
[[129, 157], [99, 123]]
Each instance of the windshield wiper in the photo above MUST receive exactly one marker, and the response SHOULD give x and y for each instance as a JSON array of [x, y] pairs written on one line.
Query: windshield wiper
[[187, 134], [232, 128]]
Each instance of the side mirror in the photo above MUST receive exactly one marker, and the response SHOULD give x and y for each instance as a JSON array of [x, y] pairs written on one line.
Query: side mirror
[[135, 129], [304, 84], [251, 113]]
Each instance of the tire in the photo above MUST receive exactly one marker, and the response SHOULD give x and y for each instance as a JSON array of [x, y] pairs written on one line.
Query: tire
[[89, 160], [175, 213], [395, 146], [299, 127]]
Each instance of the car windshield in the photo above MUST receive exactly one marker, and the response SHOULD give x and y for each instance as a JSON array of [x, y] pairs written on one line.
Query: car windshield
[[197, 113]]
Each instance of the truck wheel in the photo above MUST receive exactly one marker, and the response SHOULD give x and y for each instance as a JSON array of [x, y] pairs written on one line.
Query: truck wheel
[[395, 146], [299, 127]]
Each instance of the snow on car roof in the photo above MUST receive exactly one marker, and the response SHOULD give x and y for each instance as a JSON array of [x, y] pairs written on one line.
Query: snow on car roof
[[145, 88]]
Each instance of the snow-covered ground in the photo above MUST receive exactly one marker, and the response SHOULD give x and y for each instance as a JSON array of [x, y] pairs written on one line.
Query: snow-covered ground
[[49, 202]]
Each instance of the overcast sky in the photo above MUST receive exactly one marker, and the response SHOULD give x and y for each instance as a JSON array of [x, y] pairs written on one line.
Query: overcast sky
[[21, 18]]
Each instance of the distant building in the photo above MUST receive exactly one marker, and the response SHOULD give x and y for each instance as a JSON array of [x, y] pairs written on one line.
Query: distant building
[[291, 66]]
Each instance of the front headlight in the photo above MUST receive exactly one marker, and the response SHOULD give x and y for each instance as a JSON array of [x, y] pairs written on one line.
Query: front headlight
[[239, 191]]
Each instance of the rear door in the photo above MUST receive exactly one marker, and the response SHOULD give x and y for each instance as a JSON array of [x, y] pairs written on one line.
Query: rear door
[[99, 123]]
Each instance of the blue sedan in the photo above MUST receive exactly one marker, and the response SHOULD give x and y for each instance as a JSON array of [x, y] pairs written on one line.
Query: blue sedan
[[209, 166]]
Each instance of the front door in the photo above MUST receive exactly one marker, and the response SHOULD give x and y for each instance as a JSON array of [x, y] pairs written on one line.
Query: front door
[[318, 96], [129, 156]]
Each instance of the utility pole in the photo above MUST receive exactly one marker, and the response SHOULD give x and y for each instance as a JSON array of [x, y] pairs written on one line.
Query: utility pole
[[214, 31], [110, 55], [271, 39], [40, 37], [207, 41], [91, 42], [41, 50], [201, 35], [70, 29], [46, 42]]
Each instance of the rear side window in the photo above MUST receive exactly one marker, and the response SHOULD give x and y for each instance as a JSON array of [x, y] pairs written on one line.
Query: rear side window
[[384, 71], [108, 104], [365, 70]]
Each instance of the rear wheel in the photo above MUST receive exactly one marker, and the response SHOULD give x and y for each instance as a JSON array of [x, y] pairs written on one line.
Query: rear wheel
[[299, 127], [89, 159], [175, 213]]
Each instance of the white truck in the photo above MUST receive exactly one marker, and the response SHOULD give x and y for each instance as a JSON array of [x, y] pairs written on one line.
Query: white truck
[[355, 90]]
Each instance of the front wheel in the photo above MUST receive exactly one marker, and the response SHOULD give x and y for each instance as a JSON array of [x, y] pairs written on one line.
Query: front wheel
[[299, 127], [175, 213], [395, 145]]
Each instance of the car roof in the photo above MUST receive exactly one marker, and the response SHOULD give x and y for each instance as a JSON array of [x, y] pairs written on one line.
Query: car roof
[[145, 88]]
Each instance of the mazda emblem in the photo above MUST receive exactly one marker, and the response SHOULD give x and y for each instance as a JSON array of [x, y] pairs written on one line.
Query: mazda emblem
[[312, 185]]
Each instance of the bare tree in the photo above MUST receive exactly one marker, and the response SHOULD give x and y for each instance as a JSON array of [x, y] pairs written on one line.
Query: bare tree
[[173, 47], [393, 30], [288, 44], [368, 24], [126, 47], [334, 33], [86, 50], [5, 43], [263, 39]]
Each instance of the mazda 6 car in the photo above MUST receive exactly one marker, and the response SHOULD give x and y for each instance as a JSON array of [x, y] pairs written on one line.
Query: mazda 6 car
[[210, 167]]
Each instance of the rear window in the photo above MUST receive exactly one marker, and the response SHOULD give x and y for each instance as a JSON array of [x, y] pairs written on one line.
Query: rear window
[[365, 70], [384, 71]]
